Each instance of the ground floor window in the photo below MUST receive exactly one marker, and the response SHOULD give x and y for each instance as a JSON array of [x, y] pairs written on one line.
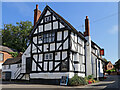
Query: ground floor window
[[64, 66]]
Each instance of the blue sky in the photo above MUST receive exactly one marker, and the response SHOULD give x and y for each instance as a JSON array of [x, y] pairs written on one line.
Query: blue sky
[[103, 19]]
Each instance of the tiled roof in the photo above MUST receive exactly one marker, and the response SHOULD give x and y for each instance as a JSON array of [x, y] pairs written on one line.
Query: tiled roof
[[12, 61], [6, 49]]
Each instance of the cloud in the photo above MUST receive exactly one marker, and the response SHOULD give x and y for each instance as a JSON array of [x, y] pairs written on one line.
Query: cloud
[[114, 29]]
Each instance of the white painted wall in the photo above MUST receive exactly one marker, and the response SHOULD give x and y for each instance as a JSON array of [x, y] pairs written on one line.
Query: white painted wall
[[101, 69], [25, 54], [55, 25], [13, 68], [88, 56], [1, 65], [47, 13], [47, 26], [81, 74], [51, 75]]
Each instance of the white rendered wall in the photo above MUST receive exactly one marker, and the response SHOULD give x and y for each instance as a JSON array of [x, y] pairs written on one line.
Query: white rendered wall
[[25, 54], [88, 56], [101, 69], [1, 65], [54, 75], [13, 69]]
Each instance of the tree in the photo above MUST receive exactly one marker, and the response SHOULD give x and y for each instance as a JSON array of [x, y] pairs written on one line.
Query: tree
[[117, 64], [105, 59], [16, 36]]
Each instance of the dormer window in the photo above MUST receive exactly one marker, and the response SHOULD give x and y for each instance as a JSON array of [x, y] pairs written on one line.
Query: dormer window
[[47, 19]]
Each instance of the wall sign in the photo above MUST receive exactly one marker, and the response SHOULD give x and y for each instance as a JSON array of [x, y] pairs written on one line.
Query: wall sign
[[64, 80], [102, 52]]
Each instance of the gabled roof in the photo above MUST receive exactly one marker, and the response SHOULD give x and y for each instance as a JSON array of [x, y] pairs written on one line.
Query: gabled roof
[[12, 61], [60, 17], [6, 49], [98, 57], [93, 43]]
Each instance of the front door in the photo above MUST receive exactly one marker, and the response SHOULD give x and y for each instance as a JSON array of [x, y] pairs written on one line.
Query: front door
[[28, 65]]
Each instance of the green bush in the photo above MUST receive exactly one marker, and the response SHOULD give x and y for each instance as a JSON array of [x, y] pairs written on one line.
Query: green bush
[[90, 76], [112, 70], [76, 80], [14, 54]]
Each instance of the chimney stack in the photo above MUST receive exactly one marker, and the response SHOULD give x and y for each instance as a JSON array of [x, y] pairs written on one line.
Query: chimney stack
[[87, 27], [37, 14]]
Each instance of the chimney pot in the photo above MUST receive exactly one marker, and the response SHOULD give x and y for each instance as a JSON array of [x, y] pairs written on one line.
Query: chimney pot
[[86, 17], [37, 6]]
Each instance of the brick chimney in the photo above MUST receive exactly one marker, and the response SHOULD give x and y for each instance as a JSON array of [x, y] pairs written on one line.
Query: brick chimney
[[87, 27], [37, 14]]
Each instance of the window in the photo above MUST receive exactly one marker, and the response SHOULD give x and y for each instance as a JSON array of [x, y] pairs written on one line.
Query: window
[[46, 56], [4, 67], [18, 65], [40, 38], [47, 19], [1, 56], [49, 56], [64, 66], [49, 37]]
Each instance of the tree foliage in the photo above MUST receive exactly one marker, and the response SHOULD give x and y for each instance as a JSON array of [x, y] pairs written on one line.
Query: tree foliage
[[105, 59], [117, 64], [14, 54], [16, 36]]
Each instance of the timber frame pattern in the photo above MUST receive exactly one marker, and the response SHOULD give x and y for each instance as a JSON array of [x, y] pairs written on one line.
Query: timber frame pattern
[[69, 28]]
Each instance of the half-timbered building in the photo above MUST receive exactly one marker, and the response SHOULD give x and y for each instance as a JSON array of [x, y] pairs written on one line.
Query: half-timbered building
[[57, 49]]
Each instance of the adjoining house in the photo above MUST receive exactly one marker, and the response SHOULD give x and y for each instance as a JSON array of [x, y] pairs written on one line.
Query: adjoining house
[[109, 65], [9, 68], [4, 54], [57, 49]]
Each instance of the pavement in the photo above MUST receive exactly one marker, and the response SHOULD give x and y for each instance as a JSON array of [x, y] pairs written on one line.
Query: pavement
[[112, 81]]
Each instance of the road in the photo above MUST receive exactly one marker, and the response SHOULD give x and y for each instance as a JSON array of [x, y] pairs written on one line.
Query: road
[[112, 81]]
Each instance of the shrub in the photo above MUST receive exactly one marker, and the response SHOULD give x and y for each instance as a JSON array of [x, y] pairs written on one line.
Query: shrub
[[90, 76], [109, 71], [14, 54], [76, 80]]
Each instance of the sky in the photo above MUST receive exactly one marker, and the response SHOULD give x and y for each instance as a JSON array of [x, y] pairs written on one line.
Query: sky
[[103, 18]]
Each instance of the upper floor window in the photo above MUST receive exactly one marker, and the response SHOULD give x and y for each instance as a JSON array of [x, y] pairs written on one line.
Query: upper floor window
[[40, 38], [49, 37], [49, 56], [1, 56], [47, 19]]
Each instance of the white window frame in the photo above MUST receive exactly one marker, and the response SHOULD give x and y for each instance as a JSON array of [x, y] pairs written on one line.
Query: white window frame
[[48, 18], [48, 56]]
